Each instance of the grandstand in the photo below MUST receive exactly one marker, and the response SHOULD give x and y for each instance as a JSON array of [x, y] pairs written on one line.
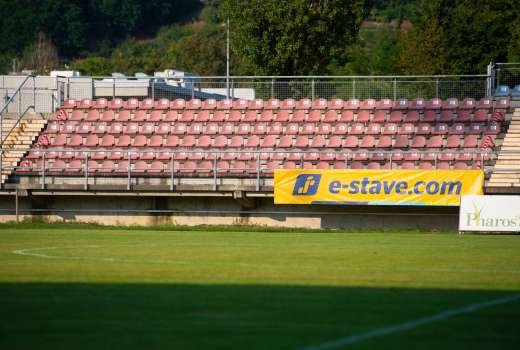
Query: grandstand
[[138, 142]]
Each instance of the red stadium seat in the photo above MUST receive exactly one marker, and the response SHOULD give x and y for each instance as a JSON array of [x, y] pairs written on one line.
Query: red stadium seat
[[314, 116], [335, 142], [288, 103], [240, 104], [116, 103], [401, 104], [351, 142], [389, 129], [468, 103], [434, 142], [346, 117], [225, 104], [256, 104], [412, 117], [418, 142], [331, 116], [108, 116], [282, 116], [450, 103], [193, 104], [162, 104], [396, 117], [272, 103], [335, 104], [418, 103], [352, 104], [171, 116], [123, 116]]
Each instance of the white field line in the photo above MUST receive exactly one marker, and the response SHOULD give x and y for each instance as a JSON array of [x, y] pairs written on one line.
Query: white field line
[[400, 327], [37, 252]]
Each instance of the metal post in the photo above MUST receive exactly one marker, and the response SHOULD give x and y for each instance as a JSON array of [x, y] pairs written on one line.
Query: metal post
[[86, 171], [16, 206], [113, 88], [391, 157], [227, 60], [395, 89], [312, 89], [1, 167], [353, 88], [272, 88], [43, 170], [68, 87], [34, 94], [172, 185], [435, 160], [128, 185], [257, 171], [153, 89], [215, 172]]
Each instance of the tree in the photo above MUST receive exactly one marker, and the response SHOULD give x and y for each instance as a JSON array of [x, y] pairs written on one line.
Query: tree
[[42, 56], [297, 37], [459, 36]]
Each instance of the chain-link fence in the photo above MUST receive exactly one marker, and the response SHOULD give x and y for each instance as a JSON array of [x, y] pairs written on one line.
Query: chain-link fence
[[507, 74]]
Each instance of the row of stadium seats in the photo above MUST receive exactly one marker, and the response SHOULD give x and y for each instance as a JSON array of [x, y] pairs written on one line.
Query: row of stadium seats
[[287, 104], [287, 141], [133, 128], [314, 116], [506, 91], [108, 167]]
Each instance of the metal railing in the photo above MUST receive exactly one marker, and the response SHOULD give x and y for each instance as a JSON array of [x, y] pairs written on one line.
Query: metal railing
[[216, 165], [506, 74]]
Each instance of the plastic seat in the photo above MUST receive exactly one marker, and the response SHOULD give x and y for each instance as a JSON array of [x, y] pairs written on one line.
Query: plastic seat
[[240, 104], [131, 129], [412, 117], [234, 116], [363, 116], [374, 129], [407, 129], [356, 166], [204, 142], [492, 129], [188, 141], [311, 155], [147, 129], [272, 103], [357, 129], [516, 91], [368, 104], [440, 129], [434, 103], [307, 129], [292, 129], [324, 129], [243, 129], [502, 91], [220, 141], [179, 129], [139, 116], [485, 103], [259, 129], [282, 116], [446, 156], [194, 104], [285, 142], [77, 115], [352, 104], [123, 116], [298, 116], [195, 129], [99, 155], [380, 117], [460, 166], [384, 142], [237, 167], [396, 155], [384, 104], [470, 141], [453, 141], [429, 116], [368, 142], [93, 115], [83, 128], [450, 103], [288, 103], [171, 116], [334, 142], [108, 116], [481, 115], [351, 142], [236, 141], [107, 141], [331, 116], [147, 103], [75, 166], [225, 104], [412, 155], [318, 142], [457, 129], [401, 104], [275, 129], [178, 103], [418, 142], [162, 104], [328, 156], [256, 104], [132, 103], [250, 117], [468, 103], [434, 142], [75, 141], [86, 103], [424, 129], [164, 155], [446, 116], [314, 116], [463, 116], [115, 154], [335, 104], [425, 166], [70, 103], [475, 129], [268, 142], [301, 142], [304, 103], [187, 116], [124, 141], [155, 141], [347, 117], [341, 129], [389, 129], [418, 103]]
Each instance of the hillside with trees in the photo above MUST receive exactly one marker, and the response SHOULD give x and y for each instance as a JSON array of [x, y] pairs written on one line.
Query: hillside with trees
[[297, 37]]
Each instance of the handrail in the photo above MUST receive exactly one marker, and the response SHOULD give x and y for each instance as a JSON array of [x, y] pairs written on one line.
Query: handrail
[[17, 91], [14, 126], [11, 98]]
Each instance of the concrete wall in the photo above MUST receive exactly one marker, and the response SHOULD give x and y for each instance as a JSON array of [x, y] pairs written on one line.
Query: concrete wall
[[225, 211]]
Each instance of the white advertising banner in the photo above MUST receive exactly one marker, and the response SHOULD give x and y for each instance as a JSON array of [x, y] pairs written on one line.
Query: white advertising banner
[[490, 213]]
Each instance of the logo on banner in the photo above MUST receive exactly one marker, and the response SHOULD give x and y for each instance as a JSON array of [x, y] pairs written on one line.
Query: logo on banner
[[306, 185]]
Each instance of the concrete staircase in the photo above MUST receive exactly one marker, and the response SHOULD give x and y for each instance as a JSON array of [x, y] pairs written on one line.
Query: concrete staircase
[[506, 173], [21, 138]]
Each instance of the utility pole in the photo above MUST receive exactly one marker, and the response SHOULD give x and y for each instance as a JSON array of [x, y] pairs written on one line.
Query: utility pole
[[227, 59]]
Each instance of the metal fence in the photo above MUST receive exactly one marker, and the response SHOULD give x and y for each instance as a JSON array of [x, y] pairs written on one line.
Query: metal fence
[[506, 74], [132, 163]]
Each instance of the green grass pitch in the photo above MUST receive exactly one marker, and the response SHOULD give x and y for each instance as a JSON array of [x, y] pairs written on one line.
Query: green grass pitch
[[66, 287]]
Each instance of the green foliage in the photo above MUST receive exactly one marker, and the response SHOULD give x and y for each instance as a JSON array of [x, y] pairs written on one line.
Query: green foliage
[[459, 37], [293, 37]]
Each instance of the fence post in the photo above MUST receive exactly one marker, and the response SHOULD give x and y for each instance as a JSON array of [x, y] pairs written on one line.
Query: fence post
[[395, 89], [353, 88], [437, 88], [34, 94], [1, 166], [215, 171], [128, 185], [257, 171], [172, 185], [312, 90], [113, 88], [86, 171], [153, 89], [272, 88], [43, 170]]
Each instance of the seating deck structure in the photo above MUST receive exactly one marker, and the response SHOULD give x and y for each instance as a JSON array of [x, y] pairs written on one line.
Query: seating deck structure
[[117, 139]]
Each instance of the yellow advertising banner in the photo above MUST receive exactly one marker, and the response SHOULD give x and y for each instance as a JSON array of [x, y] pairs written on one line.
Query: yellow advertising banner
[[376, 187]]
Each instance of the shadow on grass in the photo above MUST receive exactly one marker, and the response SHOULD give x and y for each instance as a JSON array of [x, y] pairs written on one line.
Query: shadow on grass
[[171, 316]]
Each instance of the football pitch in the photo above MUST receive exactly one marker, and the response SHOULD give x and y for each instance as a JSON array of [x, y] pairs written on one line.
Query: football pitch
[[84, 287]]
